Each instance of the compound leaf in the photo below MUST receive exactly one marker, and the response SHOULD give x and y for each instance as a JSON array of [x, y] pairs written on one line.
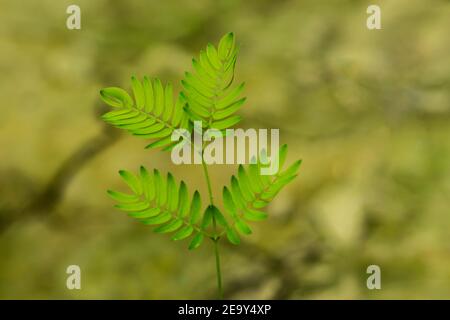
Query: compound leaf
[[208, 89], [158, 200], [251, 190], [152, 114]]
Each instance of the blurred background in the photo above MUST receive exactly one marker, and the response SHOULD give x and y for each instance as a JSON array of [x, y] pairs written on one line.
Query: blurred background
[[367, 111]]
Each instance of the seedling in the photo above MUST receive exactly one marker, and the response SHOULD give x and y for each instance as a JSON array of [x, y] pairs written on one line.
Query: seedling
[[209, 97]]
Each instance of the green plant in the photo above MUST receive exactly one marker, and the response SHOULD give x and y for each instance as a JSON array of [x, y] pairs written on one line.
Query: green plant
[[209, 97]]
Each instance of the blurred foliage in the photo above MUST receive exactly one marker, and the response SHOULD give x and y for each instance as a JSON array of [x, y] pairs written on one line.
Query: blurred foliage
[[367, 111]]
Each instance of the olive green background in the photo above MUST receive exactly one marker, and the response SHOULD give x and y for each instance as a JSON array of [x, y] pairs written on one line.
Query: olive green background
[[367, 111]]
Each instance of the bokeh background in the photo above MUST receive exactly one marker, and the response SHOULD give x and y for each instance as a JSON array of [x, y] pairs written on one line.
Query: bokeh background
[[367, 111]]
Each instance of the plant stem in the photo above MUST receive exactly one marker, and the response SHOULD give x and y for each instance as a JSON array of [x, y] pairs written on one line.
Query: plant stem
[[218, 272], [216, 238], [208, 181]]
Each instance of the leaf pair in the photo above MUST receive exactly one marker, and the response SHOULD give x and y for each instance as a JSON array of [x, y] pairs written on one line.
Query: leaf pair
[[213, 215], [207, 97], [156, 200], [160, 201]]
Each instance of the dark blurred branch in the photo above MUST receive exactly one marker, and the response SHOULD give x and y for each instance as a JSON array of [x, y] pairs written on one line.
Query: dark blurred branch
[[275, 266], [53, 193], [284, 265], [286, 268], [45, 201]]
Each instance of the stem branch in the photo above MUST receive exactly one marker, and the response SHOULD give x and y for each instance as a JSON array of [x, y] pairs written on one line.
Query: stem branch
[[215, 239]]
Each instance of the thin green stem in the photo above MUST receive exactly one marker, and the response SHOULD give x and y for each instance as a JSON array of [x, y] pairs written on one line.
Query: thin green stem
[[215, 239], [208, 181], [218, 272]]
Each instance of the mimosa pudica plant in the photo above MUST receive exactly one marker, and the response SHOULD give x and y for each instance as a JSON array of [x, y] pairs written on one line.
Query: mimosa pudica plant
[[208, 96]]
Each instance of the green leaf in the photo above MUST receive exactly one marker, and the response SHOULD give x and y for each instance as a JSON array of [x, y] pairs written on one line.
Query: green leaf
[[292, 169], [122, 197], [254, 215], [195, 208], [276, 187], [138, 206], [204, 77], [221, 114], [160, 134], [254, 178], [245, 185], [169, 227], [148, 213], [228, 202], [138, 92], [193, 81], [206, 65], [197, 96], [258, 204], [159, 201], [139, 122], [226, 46], [263, 162], [213, 57], [230, 97], [242, 227], [208, 89], [183, 205], [159, 97], [124, 123], [183, 233], [168, 102], [236, 192], [159, 219], [194, 114], [220, 219], [178, 112], [151, 129], [131, 181], [251, 191], [160, 186], [119, 114], [149, 96], [172, 193], [154, 115], [196, 241], [282, 155], [226, 123], [207, 217], [116, 97], [148, 184], [233, 237]]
